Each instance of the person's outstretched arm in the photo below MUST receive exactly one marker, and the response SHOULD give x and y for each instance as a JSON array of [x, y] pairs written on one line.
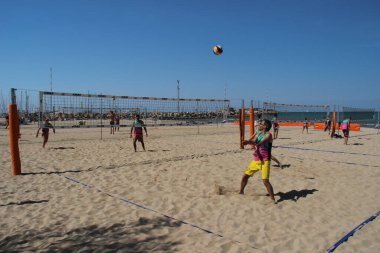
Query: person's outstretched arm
[[253, 137], [51, 126]]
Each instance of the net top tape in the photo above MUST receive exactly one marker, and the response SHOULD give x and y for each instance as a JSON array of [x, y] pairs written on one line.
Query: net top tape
[[293, 105], [131, 97], [353, 109]]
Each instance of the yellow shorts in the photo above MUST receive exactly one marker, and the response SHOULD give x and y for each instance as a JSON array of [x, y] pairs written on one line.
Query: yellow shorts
[[255, 166]]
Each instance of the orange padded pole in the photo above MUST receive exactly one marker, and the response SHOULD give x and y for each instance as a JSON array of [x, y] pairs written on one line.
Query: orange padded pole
[[14, 135], [251, 121]]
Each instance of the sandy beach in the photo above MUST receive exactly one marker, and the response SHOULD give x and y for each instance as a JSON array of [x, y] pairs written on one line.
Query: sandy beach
[[86, 194]]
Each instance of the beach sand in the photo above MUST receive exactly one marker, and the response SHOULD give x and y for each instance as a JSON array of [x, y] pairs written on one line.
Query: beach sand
[[84, 194]]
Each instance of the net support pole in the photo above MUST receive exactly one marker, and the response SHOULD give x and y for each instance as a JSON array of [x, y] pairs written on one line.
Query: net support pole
[[333, 124], [337, 115], [40, 114], [337, 118], [242, 125], [378, 121], [14, 135], [251, 120], [101, 118]]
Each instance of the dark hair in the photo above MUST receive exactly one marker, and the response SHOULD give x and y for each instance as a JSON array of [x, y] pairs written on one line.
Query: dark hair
[[137, 115], [268, 124]]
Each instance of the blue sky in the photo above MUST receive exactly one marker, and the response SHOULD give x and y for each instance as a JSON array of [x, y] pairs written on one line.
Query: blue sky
[[295, 51]]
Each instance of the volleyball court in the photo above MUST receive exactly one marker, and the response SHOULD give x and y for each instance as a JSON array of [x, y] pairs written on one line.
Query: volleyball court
[[175, 177]]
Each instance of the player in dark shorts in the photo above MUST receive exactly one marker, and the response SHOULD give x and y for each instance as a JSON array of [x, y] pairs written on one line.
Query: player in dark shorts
[[7, 121], [45, 131], [137, 129], [305, 126], [111, 116], [117, 122], [327, 125], [275, 126], [346, 129]]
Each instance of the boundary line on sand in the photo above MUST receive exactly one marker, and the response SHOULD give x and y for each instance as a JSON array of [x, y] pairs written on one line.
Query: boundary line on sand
[[330, 161], [352, 232], [153, 210], [327, 151]]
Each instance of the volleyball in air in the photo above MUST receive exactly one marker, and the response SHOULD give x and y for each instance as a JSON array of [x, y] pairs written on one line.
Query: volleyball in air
[[218, 50]]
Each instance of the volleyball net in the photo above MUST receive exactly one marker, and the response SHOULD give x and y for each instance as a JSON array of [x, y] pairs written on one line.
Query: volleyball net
[[295, 112], [68, 110], [27, 105], [360, 115], [73, 110]]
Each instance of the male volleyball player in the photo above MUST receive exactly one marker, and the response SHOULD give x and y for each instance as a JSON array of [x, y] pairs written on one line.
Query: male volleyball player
[[327, 124], [137, 129], [275, 126], [117, 122], [45, 131], [305, 125], [111, 116], [257, 121]]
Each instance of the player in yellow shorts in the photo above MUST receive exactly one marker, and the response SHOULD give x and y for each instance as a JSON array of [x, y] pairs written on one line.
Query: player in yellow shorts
[[256, 166], [262, 145]]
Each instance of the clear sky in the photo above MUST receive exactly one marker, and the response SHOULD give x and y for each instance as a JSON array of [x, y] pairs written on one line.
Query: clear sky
[[288, 51]]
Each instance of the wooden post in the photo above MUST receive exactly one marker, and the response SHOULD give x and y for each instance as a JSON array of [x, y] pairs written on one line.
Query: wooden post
[[14, 135]]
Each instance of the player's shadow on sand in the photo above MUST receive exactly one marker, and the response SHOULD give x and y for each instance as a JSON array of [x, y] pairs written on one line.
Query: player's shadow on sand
[[53, 172], [144, 235], [294, 195], [155, 150], [282, 166], [357, 144], [63, 148], [25, 202]]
